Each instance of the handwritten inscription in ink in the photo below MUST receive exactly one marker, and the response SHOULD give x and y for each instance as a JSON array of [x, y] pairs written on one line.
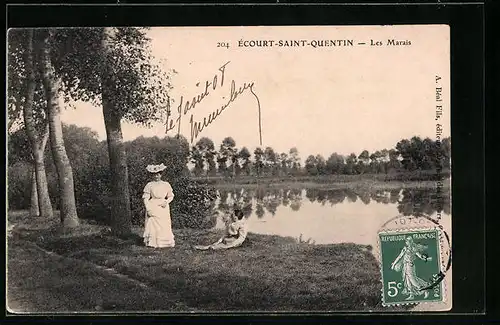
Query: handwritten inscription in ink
[[217, 82]]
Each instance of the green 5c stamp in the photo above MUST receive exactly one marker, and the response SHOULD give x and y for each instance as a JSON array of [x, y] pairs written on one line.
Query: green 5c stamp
[[411, 266]]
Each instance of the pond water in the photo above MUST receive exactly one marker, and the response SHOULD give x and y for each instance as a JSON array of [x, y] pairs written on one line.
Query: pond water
[[330, 216]]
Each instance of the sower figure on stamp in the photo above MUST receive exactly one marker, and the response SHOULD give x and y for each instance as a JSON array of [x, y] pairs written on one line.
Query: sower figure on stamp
[[405, 263], [157, 197], [235, 234]]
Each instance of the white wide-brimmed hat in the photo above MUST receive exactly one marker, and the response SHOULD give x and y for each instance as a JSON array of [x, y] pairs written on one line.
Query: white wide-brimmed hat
[[156, 168]]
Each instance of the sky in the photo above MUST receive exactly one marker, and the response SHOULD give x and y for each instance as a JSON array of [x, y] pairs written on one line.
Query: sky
[[321, 99]]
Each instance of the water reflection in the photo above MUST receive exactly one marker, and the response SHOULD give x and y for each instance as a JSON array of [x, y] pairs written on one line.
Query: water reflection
[[409, 201], [327, 216], [423, 202]]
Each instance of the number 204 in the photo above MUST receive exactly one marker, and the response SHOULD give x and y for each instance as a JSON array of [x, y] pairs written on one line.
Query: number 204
[[223, 44], [393, 288]]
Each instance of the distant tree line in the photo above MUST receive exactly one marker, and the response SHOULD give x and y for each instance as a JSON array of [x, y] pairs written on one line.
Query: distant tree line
[[228, 160], [89, 159]]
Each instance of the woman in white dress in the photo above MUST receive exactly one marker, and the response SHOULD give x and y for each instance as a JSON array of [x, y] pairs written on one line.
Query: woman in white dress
[[157, 197]]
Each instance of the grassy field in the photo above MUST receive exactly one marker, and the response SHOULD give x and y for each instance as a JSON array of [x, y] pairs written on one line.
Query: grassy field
[[365, 185], [368, 181], [88, 270]]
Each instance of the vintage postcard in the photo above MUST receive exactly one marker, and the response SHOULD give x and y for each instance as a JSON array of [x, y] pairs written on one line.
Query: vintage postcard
[[229, 169]]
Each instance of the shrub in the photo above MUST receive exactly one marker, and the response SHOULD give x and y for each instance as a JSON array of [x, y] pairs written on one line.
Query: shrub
[[93, 193], [193, 204], [19, 186], [192, 207]]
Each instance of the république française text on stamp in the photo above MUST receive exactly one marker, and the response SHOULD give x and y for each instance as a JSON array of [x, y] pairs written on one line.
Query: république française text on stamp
[[411, 266]]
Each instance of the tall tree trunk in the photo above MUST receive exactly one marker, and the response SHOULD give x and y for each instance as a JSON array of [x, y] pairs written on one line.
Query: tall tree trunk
[[121, 216], [41, 174], [34, 207], [37, 143], [52, 87]]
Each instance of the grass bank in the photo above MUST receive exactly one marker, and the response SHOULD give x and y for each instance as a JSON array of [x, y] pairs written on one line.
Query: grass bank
[[42, 282], [368, 181], [364, 185], [269, 273]]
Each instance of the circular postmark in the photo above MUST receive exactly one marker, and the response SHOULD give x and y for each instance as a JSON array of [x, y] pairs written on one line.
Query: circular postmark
[[415, 255]]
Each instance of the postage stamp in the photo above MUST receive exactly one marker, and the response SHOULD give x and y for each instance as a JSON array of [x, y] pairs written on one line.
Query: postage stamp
[[239, 168], [411, 266]]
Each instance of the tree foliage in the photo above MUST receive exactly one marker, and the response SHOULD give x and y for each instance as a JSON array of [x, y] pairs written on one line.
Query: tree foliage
[[114, 68], [246, 164], [206, 148], [17, 85], [408, 155], [140, 85]]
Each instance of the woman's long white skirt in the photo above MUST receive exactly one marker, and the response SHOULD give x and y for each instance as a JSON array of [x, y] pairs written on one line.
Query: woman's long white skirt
[[158, 227]]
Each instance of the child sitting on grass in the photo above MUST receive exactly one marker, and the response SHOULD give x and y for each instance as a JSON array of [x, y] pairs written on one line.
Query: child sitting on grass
[[235, 234]]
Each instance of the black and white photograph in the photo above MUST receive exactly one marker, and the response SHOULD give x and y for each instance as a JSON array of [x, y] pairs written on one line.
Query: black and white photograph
[[229, 169]]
